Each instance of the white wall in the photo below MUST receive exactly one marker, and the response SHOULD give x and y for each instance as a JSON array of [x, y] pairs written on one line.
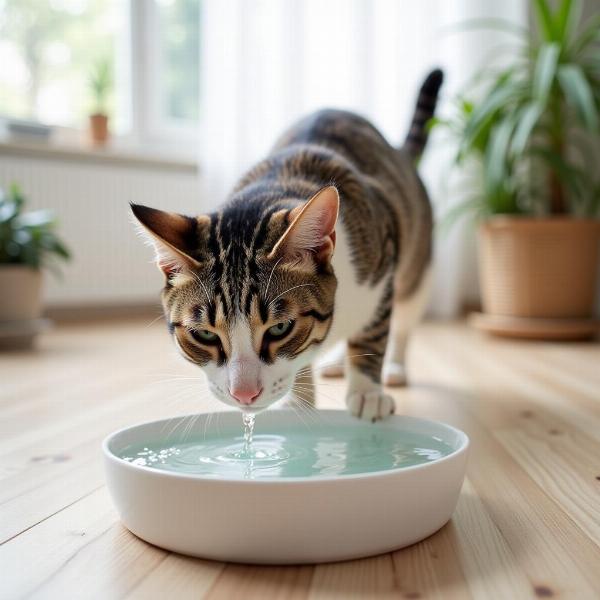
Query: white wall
[[111, 264]]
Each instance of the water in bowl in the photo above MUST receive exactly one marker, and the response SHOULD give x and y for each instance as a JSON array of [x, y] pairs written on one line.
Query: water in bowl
[[318, 451]]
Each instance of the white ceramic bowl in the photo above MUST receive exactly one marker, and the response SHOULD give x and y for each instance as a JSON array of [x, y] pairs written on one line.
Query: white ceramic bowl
[[291, 520]]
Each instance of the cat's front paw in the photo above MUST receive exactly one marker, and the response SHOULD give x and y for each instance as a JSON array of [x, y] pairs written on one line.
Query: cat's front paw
[[371, 405]]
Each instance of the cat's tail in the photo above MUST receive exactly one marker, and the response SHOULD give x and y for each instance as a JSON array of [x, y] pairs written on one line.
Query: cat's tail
[[426, 101]]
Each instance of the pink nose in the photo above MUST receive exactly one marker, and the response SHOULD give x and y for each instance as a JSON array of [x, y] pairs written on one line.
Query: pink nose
[[245, 396]]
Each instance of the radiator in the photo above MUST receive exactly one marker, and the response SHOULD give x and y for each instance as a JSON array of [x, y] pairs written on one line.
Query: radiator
[[111, 265]]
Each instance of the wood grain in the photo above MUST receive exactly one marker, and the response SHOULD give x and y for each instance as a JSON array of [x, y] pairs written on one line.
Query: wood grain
[[527, 524]]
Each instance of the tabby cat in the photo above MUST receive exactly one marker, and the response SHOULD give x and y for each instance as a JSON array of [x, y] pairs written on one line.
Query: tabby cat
[[329, 238]]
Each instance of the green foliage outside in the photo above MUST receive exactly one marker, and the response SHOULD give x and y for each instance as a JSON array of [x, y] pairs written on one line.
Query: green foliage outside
[[67, 44], [59, 42], [27, 238], [531, 129]]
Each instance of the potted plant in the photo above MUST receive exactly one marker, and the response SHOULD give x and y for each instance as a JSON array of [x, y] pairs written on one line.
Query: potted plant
[[100, 85], [530, 137], [28, 243]]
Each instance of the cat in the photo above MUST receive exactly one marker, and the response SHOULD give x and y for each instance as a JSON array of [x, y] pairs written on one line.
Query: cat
[[329, 238]]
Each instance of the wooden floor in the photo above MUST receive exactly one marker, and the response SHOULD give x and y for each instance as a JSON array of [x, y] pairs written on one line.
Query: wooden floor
[[527, 523]]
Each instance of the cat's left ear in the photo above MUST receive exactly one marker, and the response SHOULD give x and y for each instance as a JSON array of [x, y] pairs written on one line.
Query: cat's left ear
[[312, 228], [175, 238]]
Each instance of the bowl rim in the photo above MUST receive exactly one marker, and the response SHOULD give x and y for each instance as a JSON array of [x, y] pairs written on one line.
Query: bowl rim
[[303, 480]]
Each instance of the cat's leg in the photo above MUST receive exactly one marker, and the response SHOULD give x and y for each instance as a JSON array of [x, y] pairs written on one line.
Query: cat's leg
[[406, 314], [332, 364], [303, 389], [365, 397]]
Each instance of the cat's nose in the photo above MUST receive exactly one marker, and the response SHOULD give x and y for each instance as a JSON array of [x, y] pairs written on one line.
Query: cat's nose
[[245, 396]]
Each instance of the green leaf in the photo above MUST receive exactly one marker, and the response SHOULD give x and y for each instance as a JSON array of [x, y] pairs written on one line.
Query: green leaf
[[567, 18], [528, 118], [16, 195], [27, 238], [545, 70], [545, 20], [481, 119], [497, 151], [60, 249], [579, 94]]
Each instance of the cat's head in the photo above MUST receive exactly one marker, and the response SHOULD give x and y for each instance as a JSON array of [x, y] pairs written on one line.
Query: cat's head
[[249, 291]]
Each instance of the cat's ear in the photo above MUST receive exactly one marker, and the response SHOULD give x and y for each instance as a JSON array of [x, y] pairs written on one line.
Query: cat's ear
[[174, 237], [312, 228]]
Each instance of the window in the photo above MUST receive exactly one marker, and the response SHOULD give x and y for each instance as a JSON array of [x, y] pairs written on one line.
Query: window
[[50, 48], [178, 70]]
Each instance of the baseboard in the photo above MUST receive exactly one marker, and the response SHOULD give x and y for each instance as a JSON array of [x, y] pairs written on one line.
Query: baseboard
[[78, 313]]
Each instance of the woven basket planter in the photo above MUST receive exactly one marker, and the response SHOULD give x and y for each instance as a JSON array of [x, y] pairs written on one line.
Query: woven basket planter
[[539, 268]]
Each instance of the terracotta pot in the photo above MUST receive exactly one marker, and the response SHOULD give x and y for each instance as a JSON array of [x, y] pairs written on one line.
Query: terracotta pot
[[21, 297], [539, 268], [99, 129]]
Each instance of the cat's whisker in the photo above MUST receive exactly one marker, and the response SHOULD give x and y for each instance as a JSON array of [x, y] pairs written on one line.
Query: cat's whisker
[[308, 409], [193, 421], [298, 413], [207, 423], [300, 403], [271, 275], [318, 383], [289, 290], [161, 316], [186, 394], [197, 277], [333, 399]]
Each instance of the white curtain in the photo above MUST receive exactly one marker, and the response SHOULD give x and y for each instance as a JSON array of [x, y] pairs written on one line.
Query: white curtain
[[267, 62]]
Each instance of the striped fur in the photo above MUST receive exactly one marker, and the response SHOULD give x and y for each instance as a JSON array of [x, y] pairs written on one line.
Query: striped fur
[[236, 265]]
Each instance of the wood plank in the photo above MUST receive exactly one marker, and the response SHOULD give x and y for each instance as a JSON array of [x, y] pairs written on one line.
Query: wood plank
[[178, 577], [107, 566], [564, 468], [33, 557], [355, 579], [432, 568], [492, 569], [249, 582]]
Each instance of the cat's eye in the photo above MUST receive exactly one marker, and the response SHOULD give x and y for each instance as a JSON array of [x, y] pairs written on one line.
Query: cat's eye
[[280, 329], [204, 336]]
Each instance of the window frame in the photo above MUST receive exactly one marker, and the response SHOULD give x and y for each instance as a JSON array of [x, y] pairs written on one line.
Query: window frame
[[137, 56], [148, 124]]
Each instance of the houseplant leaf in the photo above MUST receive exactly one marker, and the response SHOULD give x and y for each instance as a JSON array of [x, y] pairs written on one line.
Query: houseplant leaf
[[528, 118], [545, 71], [545, 20], [578, 91]]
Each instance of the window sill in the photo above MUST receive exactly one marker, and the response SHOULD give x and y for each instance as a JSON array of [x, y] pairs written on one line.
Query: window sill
[[110, 155]]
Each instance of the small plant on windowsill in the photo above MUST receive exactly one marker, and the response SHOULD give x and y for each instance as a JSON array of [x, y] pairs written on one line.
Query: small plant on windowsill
[[28, 244], [100, 82], [531, 136]]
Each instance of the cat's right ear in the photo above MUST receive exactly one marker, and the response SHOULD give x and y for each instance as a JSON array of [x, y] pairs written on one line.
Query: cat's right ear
[[174, 237], [311, 232]]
